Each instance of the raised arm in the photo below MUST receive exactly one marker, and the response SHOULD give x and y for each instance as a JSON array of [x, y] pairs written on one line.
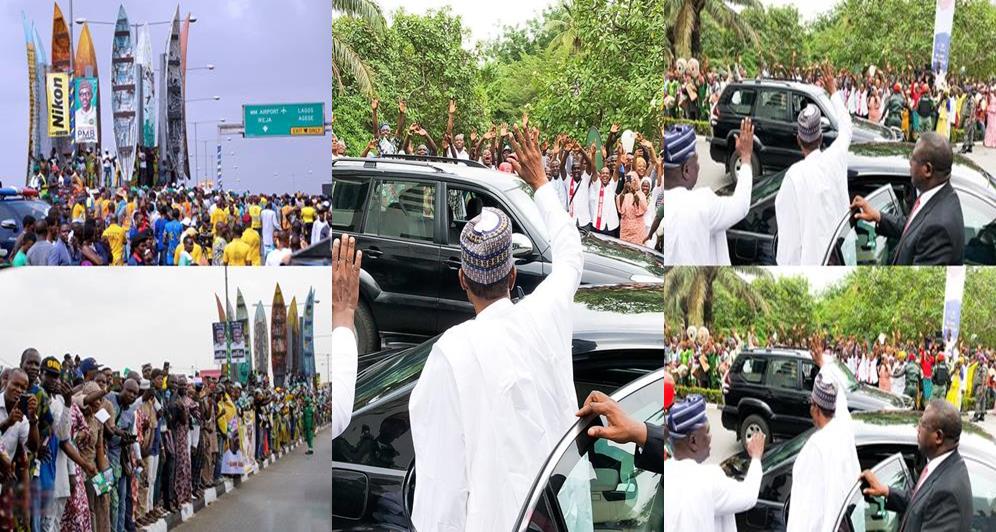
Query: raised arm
[[726, 212], [346, 261], [376, 126], [449, 117], [402, 109]]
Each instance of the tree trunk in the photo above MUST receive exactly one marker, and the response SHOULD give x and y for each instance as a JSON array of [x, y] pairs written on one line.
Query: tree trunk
[[707, 317], [696, 44], [683, 25]]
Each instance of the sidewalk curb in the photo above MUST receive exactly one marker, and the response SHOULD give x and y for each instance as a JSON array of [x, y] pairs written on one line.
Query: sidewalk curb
[[212, 495]]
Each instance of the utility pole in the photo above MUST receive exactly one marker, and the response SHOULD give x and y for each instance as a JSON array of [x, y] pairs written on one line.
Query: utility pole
[[228, 330]]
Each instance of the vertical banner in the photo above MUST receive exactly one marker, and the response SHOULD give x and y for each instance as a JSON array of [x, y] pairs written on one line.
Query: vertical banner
[[220, 187], [238, 331], [85, 110], [943, 22], [219, 341], [954, 289], [58, 104]]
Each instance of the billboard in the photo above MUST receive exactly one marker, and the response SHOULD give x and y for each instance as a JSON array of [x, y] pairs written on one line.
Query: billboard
[[943, 22], [58, 104], [85, 110], [224, 331], [954, 290]]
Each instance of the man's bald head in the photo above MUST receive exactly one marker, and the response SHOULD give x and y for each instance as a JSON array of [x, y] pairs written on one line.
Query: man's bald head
[[940, 429], [129, 392], [931, 161]]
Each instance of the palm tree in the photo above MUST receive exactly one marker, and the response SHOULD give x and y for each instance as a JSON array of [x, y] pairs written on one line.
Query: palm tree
[[344, 59], [686, 32], [689, 291], [561, 25]]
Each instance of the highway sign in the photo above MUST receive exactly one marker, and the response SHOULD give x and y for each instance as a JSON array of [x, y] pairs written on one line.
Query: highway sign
[[284, 119]]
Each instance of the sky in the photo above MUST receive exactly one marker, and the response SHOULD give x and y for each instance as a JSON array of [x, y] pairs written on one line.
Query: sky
[[263, 51], [124, 317], [485, 19]]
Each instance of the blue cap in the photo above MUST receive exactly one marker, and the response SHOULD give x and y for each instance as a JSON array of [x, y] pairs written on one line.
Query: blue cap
[[679, 145], [88, 365], [686, 416]]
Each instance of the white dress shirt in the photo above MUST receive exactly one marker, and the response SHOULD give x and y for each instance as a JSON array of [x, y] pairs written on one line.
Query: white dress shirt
[[495, 397], [575, 198], [694, 223], [701, 497], [813, 198], [342, 375], [931, 466], [923, 198], [602, 201]]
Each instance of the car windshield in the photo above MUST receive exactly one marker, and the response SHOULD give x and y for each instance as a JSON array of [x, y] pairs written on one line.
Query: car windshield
[[522, 198], [824, 101], [37, 209], [852, 381], [780, 453], [394, 373]]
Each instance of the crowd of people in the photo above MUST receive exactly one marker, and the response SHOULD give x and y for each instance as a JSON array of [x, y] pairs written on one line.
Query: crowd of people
[[84, 447], [167, 226]]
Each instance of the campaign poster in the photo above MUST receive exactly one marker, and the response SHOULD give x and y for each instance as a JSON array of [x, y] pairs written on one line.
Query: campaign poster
[[57, 86], [954, 290], [85, 110], [943, 22], [220, 341], [238, 330]]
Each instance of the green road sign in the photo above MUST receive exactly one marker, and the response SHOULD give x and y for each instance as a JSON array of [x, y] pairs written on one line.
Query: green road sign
[[284, 119]]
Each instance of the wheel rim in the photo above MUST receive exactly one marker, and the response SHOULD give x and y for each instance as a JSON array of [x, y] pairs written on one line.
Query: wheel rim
[[751, 430]]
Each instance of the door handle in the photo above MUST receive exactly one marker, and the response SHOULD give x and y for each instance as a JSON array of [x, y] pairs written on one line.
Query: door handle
[[453, 263], [372, 252]]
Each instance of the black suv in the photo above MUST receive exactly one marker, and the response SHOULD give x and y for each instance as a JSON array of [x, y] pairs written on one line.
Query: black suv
[[407, 216], [767, 390], [774, 105], [15, 204]]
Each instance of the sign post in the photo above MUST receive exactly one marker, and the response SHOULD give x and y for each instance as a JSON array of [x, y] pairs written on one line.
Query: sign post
[[284, 120]]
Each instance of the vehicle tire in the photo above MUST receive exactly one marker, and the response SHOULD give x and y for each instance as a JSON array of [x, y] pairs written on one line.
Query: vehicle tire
[[754, 423], [733, 164], [367, 338]]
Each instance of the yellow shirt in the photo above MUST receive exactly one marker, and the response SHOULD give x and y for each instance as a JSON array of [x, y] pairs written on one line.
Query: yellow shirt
[[195, 254], [254, 212], [308, 215], [251, 238], [236, 253], [115, 235], [219, 215], [226, 412], [79, 211], [105, 208]]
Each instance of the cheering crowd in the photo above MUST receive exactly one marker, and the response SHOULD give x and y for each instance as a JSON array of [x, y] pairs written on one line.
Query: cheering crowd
[[169, 227], [85, 447]]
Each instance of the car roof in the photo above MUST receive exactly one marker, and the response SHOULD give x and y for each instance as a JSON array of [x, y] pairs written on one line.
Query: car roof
[[778, 351], [775, 83], [899, 426], [437, 168], [893, 158]]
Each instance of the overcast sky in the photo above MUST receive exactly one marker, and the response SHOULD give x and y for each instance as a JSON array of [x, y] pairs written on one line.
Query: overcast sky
[[264, 52], [126, 316]]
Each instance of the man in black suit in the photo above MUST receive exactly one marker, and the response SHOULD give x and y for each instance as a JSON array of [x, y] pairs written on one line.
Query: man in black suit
[[942, 497], [933, 233]]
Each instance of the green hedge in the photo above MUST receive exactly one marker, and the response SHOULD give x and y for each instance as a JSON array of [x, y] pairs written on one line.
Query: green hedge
[[702, 127], [711, 395]]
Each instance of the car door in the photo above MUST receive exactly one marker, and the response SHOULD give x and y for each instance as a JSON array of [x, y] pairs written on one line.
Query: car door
[[593, 484], [983, 477], [401, 253], [857, 243], [788, 401], [775, 129], [464, 203], [860, 513], [980, 228]]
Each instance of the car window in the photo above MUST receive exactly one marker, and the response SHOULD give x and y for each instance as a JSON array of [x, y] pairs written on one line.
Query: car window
[[742, 101], [980, 229], [402, 209], [17, 210], [859, 244], [596, 485], [752, 370], [783, 373], [983, 479], [809, 371], [773, 105], [463, 205], [387, 376], [860, 513], [799, 102], [348, 197]]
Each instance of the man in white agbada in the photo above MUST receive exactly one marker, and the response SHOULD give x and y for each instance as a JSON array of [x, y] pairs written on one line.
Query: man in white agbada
[[345, 295], [828, 465], [700, 496], [691, 223], [814, 198], [497, 392]]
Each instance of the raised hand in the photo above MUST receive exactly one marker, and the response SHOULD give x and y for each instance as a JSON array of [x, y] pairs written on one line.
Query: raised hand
[[375, 104], [504, 130], [473, 136], [453, 106], [345, 281], [528, 163], [614, 128], [402, 106], [745, 141], [829, 81]]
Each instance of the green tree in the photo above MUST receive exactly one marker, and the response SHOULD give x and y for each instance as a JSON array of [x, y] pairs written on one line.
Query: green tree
[[345, 60], [690, 292], [978, 310], [685, 32], [789, 304]]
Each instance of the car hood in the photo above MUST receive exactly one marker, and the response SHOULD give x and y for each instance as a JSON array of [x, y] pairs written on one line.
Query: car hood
[[866, 398], [610, 260], [867, 131]]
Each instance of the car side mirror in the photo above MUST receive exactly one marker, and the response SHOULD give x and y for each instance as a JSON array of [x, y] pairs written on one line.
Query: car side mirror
[[521, 245], [9, 224], [825, 124]]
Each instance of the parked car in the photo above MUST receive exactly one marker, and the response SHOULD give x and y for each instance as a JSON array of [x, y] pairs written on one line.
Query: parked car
[[15, 204], [774, 106], [887, 444], [881, 173], [617, 338], [767, 390], [409, 287]]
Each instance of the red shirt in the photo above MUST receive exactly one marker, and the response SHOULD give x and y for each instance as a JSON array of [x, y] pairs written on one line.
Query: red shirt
[[927, 365]]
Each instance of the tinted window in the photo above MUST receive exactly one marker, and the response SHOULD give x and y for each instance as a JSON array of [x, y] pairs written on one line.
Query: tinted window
[[17, 210], [983, 495], [348, 197], [752, 370], [742, 101], [860, 244], [392, 374], [402, 209], [809, 371], [980, 230], [869, 513], [463, 205], [799, 102], [783, 373], [774, 105]]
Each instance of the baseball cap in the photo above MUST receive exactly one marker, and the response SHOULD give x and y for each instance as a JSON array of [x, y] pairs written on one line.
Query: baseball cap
[[89, 364], [52, 366]]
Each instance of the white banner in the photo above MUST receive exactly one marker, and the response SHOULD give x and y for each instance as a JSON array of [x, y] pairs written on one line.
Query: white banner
[[954, 289], [943, 23]]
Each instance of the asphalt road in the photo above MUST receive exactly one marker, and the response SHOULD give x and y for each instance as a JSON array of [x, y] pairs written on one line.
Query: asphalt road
[[295, 493]]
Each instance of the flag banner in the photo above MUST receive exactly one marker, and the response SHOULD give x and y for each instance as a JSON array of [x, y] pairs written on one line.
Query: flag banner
[[85, 111], [943, 22], [954, 289], [58, 104]]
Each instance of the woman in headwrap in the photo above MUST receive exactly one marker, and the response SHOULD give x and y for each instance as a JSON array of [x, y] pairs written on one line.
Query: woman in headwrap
[[632, 205]]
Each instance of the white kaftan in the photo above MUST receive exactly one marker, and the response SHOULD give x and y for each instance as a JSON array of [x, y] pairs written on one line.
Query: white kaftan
[[342, 375], [700, 497], [496, 395]]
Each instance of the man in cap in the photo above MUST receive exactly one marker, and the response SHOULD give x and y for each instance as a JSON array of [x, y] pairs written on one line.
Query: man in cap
[[691, 223], [386, 145], [933, 233], [813, 197], [53, 474], [511, 365], [829, 454], [942, 496]]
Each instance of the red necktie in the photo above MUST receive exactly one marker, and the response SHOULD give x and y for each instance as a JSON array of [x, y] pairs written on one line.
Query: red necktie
[[601, 200], [923, 475], [916, 205]]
